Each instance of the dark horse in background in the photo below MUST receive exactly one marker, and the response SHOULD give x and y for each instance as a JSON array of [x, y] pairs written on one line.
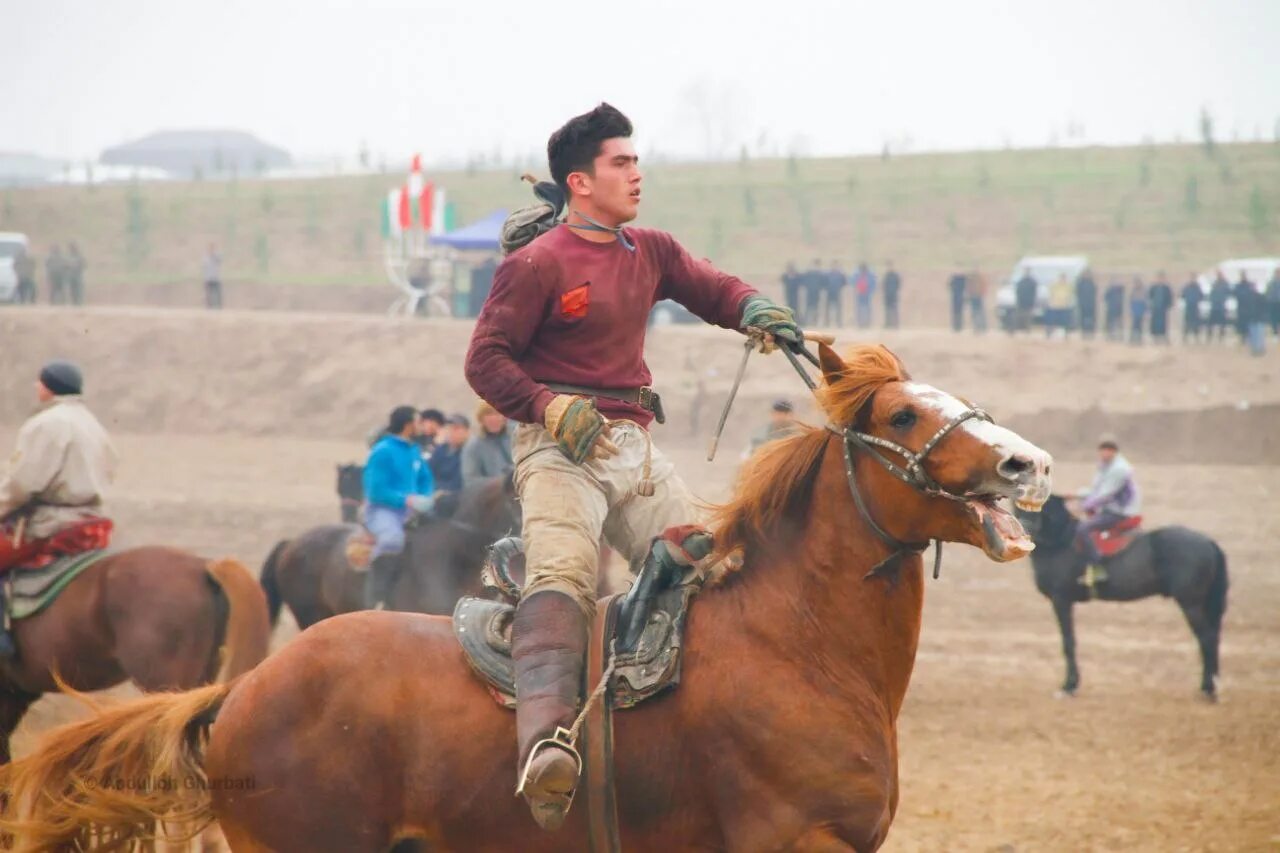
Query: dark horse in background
[[1176, 562], [441, 562]]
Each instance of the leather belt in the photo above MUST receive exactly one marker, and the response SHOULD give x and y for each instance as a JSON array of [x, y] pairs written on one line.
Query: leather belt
[[644, 396]]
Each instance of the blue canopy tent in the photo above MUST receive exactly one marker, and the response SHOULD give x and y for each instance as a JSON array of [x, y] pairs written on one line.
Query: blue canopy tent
[[481, 234]]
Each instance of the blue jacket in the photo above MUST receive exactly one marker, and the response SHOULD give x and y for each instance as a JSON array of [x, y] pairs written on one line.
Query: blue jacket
[[446, 466], [394, 471]]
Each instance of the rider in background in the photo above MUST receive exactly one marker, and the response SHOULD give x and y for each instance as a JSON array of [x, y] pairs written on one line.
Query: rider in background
[[782, 422], [487, 454], [58, 474], [1112, 498], [446, 459], [397, 482]]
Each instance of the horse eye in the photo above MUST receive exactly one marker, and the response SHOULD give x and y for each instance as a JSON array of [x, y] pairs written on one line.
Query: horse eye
[[903, 419]]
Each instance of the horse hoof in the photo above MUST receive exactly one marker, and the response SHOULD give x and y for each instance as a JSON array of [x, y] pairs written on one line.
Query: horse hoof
[[1209, 697], [1065, 694]]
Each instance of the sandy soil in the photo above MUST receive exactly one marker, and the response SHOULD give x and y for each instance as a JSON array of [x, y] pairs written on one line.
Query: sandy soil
[[230, 426]]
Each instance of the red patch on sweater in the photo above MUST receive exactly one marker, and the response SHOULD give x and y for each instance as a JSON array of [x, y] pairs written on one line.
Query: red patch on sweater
[[574, 303]]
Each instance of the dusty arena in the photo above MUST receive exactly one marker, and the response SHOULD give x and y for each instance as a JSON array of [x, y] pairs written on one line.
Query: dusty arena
[[230, 426]]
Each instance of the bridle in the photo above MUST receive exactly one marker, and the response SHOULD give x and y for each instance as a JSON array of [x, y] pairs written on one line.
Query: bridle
[[913, 474]]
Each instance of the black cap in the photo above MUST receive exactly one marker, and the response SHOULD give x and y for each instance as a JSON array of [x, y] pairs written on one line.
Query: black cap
[[783, 406], [458, 420], [62, 377], [432, 415]]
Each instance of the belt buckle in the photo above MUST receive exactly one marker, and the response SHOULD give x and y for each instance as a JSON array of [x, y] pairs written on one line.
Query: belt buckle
[[645, 398]]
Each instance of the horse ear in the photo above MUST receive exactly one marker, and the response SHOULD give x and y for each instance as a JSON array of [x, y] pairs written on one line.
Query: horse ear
[[833, 366]]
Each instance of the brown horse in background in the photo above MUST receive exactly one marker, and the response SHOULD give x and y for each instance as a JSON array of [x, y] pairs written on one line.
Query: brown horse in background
[[165, 619], [369, 730], [441, 561]]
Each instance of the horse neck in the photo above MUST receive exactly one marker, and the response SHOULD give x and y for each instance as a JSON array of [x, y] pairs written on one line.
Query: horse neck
[[810, 602]]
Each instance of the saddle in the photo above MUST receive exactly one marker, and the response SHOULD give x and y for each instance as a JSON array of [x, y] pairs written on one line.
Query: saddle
[[1112, 540], [29, 591], [644, 629]]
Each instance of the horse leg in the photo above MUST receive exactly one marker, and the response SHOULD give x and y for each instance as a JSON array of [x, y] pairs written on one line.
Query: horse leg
[[13, 706], [1207, 636], [1062, 608]]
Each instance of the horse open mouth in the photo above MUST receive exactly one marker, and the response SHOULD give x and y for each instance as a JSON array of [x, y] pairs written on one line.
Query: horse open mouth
[[1003, 536]]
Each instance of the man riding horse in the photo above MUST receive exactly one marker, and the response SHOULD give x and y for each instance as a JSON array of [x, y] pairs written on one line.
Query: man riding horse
[[559, 348], [397, 484], [57, 479], [1111, 499]]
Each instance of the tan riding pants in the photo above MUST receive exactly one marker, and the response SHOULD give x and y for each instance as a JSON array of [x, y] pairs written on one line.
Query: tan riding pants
[[568, 507]]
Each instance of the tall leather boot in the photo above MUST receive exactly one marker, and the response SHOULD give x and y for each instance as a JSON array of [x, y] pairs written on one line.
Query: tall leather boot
[[548, 647], [379, 580]]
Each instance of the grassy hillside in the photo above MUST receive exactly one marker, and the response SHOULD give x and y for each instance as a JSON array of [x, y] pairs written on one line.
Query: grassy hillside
[[1129, 209]]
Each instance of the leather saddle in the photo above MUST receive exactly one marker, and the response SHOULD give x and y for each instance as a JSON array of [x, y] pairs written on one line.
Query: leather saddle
[[644, 627], [1112, 540]]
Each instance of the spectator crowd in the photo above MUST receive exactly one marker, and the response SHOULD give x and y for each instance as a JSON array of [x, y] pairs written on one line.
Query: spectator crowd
[[64, 274]]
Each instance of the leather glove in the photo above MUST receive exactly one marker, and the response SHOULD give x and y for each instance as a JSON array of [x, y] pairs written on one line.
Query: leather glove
[[761, 312], [420, 504], [578, 428]]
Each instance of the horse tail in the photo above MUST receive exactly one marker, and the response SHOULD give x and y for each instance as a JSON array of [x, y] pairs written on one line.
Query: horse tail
[[1216, 603], [248, 628], [108, 779], [270, 584]]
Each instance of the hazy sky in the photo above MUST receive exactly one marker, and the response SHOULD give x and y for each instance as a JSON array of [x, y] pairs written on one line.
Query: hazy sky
[[697, 76]]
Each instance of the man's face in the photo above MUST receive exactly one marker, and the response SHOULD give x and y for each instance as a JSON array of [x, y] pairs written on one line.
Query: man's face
[[458, 434], [1106, 455], [493, 423], [43, 394], [614, 189], [430, 428], [780, 418]]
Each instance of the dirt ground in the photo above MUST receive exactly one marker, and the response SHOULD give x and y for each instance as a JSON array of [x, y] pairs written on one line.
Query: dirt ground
[[230, 425]]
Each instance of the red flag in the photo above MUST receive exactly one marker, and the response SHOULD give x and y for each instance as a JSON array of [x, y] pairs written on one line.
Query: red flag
[[405, 214], [425, 205]]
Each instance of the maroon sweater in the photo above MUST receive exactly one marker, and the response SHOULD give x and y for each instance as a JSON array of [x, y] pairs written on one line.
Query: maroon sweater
[[567, 309]]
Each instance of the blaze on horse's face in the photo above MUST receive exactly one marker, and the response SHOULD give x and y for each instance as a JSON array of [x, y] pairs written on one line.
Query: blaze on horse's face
[[990, 466]]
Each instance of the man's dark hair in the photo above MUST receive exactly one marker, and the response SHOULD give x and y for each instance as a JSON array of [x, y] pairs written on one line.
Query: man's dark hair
[[434, 415], [574, 147], [401, 417]]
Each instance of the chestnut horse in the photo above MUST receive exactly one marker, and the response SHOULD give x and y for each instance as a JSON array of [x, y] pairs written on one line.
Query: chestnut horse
[[165, 619], [369, 730]]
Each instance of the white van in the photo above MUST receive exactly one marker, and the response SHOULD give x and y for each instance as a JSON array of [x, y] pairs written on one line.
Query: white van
[[1045, 269], [11, 244], [1259, 271]]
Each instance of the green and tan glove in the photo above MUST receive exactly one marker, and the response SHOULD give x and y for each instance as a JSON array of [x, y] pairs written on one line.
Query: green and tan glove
[[761, 312], [580, 430]]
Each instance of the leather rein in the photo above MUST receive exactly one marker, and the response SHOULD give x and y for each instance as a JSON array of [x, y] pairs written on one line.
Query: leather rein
[[913, 474]]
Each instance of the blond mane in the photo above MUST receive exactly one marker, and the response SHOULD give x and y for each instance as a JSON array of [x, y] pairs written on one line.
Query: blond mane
[[775, 486]]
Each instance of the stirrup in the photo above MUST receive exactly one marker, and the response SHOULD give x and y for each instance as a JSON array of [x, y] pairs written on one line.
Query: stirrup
[[562, 740]]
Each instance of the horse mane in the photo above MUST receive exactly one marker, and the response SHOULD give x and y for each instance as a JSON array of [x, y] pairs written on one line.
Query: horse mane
[[775, 486]]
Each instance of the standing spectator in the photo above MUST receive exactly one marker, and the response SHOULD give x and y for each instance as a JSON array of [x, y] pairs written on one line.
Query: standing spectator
[[1160, 297], [1062, 300], [1137, 311], [1251, 306], [446, 460], [1273, 301], [56, 268], [791, 281], [1087, 303], [892, 292], [75, 274], [24, 268], [782, 422], [1219, 293], [815, 282], [1025, 293], [488, 454], [429, 432], [864, 288], [957, 285], [1192, 296], [835, 282], [1113, 303], [481, 284], [213, 278], [1243, 292], [976, 292]]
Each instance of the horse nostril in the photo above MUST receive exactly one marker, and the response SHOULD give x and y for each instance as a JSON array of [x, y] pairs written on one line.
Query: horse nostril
[[1015, 465]]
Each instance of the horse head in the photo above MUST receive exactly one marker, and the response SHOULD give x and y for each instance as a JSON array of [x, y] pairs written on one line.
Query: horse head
[[934, 466], [1052, 527]]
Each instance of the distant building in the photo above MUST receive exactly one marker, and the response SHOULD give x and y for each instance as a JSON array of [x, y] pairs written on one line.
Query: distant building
[[193, 153]]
